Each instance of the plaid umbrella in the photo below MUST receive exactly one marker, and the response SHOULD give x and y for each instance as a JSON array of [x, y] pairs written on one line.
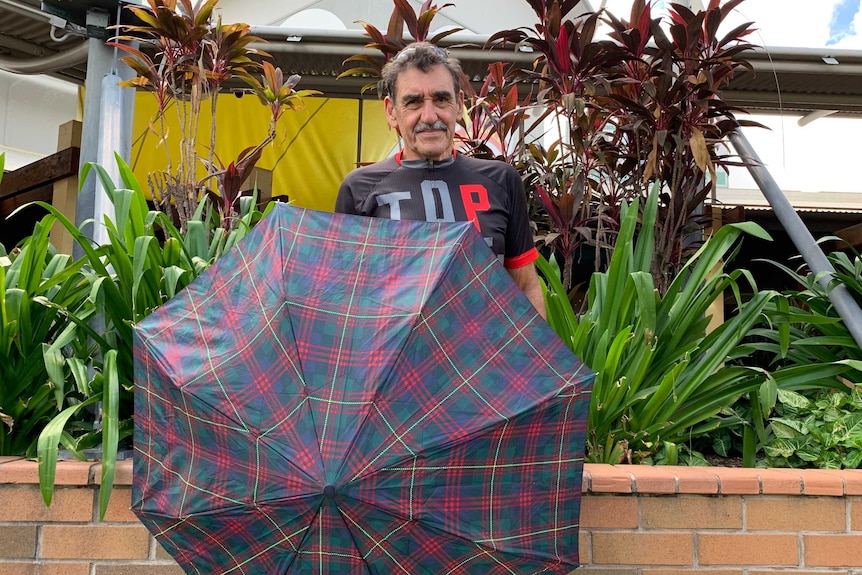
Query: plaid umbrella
[[340, 394]]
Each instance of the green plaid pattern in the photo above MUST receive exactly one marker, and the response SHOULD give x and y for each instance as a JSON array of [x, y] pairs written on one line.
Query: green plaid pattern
[[340, 394]]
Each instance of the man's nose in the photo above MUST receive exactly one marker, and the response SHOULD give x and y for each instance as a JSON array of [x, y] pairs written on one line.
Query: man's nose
[[429, 111]]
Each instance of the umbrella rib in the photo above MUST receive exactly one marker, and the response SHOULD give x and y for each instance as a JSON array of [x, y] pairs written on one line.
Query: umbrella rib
[[377, 544]]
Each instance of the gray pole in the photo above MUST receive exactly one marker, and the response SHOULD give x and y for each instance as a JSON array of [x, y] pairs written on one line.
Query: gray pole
[[101, 62], [808, 248]]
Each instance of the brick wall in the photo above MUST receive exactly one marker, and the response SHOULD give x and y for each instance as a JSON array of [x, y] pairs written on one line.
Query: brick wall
[[639, 520], [635, 520]]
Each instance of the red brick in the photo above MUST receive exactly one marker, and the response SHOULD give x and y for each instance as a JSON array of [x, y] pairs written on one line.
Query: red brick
[[817, 482], [609, 511], [689, 572], [650, 479], [852, 479], [586, 570], [74, 473], [696, 480], [691, 512], [638, 548], [26, 504], [747, 549], [94, 542], [737, 481], [119, 507], [795, 572], [584, 547], [780, 482], [26, 471], [17, 470], [122, 473], [605, 478], [856, 514], [833, 550], [18, 541], [39, 568], [795, 514]]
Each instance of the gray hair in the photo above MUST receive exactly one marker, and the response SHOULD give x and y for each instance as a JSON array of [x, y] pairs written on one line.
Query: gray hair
[[422, 56]]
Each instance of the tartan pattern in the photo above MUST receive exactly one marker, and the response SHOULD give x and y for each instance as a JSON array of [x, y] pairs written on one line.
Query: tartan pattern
[[392, 361]]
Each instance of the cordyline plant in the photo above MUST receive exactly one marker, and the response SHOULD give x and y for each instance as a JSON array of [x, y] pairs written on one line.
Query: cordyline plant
[[184, 60], [666, 105], [638, 109]]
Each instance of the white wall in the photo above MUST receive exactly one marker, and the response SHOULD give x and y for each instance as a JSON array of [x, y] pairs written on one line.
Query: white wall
[[32, 108]]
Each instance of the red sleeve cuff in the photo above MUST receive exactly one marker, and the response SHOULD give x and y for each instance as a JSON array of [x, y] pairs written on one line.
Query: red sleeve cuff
[[520, 261]]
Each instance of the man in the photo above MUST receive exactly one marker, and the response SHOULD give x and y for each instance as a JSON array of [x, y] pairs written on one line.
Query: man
[[427, 180]]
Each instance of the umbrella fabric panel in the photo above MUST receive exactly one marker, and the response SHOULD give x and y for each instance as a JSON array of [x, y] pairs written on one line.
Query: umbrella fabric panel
[[469, 362], [390, 544], [191, 443], [355, 395], [248, 540], [221, 403], [354, 294], [219, 315], [515, 488]]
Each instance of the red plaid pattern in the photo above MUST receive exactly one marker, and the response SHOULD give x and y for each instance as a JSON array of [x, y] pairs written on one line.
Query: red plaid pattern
[[340, 394]]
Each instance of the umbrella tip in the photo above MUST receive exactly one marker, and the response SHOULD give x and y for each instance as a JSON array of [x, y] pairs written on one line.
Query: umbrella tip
[[329, 491]]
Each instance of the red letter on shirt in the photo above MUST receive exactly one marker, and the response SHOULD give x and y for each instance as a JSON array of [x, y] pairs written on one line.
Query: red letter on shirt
[[475, 198]]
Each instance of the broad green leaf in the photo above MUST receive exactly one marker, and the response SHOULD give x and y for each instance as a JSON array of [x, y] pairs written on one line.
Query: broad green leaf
[[48, 447], [110, 429]]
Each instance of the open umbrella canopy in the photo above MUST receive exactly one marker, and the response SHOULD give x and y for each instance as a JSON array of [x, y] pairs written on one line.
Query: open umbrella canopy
[[339, 394]]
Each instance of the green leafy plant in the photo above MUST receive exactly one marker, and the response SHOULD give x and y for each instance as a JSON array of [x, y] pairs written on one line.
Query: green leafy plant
[[805, 328], [36, 286], [804, 335], [662, 379], [823, 431], [148, 259]]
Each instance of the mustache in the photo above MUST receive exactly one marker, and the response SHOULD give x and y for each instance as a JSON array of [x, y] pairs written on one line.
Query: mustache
[[438, 125]]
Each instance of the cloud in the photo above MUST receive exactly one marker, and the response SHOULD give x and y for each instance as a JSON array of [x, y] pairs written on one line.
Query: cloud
[[841, 24]]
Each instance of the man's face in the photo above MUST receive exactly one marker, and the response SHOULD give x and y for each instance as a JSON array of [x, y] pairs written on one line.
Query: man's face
[[423, 110]]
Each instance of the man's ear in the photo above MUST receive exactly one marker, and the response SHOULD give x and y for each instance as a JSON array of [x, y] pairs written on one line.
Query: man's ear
[[389, 107]]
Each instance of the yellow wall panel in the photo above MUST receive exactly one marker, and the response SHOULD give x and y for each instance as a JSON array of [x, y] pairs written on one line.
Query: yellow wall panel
[[315, 147]]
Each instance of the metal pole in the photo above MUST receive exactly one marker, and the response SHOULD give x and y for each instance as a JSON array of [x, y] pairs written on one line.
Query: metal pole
[[113, 130], [808, 248]]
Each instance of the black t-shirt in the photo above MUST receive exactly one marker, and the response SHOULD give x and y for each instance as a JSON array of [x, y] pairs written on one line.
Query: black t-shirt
[[487, 192]]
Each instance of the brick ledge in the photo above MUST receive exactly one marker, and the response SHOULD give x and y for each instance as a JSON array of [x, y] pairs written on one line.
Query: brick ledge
[[598, 478]]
